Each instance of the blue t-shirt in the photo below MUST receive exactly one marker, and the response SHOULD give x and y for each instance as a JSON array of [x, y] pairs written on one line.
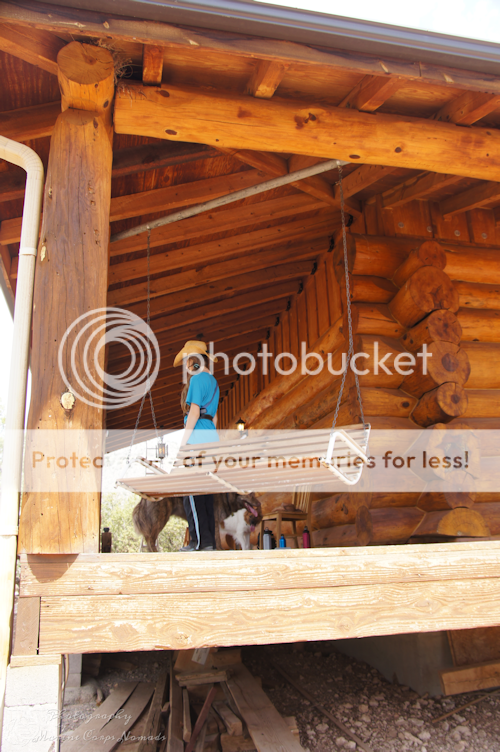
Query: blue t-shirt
[[204, 392]]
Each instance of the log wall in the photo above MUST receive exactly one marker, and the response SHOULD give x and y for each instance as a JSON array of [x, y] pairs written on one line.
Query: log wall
[[416, 280]]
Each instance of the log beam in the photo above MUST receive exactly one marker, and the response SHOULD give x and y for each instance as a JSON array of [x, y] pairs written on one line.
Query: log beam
[[74, 234], [238, 122], [428, 289], [86, 76]]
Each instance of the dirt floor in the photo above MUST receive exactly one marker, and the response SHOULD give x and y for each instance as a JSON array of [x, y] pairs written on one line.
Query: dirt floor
[[387, 717]]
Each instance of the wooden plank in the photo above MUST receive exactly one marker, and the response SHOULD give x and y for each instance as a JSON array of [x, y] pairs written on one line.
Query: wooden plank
[[27, 626], [198, 678], [363, 178], [470, 678], [167, 35], [228, 618], [152, 725], [186, 716], [474, 645], [205, 117], [175, 729], [152, 64], [372, 92], [29, 122], [114, 730], [231, 721], [132, 574], [199, 731], [18, 661], [266, 78], [268, 729], [468, 108], [99, 718], [36, 47], [473, 198], [417, 187]]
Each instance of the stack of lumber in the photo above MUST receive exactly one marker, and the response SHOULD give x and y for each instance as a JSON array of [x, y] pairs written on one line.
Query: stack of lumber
[[476, 660], [208, 701]]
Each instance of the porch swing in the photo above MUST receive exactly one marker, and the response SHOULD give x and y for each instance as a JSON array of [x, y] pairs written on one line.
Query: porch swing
[[217, 467]]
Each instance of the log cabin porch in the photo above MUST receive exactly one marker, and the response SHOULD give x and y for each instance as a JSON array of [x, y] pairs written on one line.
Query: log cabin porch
[[202, 114]]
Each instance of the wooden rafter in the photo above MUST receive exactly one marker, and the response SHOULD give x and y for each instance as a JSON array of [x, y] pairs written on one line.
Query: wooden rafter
[[202, 251], [417, 187], [242, 122], [30, 122], [223, 268], [469, 107], [152, 64], [372, 92], [92, 24], [37, 47], [266, 78], [473, 198]]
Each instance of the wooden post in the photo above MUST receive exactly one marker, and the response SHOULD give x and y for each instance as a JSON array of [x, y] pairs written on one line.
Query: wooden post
[[73, 247]]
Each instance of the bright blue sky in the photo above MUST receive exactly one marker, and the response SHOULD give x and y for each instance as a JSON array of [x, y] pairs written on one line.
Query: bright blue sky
[[476, 19]]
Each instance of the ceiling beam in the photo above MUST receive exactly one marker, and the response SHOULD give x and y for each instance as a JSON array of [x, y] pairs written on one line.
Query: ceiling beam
[[225, 288], [125, 162], [473, 198], [371, 92], [417, 187], [159, 199], [253, 261], [266, 78], [241, 122], [30, 122], [202, 252], [468, 108], [152, 64], [92, 24], [363, 177], [34, 46]]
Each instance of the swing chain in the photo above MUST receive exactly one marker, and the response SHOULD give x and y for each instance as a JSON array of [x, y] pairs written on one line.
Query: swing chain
[[148, 382], [350, 351]]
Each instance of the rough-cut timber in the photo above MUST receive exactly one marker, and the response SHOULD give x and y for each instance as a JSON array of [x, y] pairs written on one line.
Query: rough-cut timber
[[74, 246], [426, 290], [187, 114]]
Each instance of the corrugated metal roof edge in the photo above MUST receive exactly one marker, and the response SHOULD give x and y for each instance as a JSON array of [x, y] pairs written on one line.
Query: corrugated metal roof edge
[[307, 27]]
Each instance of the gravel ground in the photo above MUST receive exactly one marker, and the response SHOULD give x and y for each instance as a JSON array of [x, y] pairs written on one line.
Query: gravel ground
[[387, 717]]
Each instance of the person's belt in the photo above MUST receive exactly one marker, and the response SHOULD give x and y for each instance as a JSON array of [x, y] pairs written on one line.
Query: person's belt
[[205, 416]]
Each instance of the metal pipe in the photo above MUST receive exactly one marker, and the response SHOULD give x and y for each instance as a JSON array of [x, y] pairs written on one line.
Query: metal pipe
[[191, 211], [26, 158]]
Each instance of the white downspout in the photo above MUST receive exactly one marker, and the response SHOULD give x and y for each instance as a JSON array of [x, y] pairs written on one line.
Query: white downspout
[[26, 158]]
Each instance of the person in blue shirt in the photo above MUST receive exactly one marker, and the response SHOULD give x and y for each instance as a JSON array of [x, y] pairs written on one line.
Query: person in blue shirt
[[199, 402]]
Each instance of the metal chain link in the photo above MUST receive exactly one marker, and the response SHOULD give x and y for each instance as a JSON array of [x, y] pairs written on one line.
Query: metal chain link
[[350, 351], [148, 383]]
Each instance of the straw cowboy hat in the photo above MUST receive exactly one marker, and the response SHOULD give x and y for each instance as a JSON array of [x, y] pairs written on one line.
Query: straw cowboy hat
[[193, 347]]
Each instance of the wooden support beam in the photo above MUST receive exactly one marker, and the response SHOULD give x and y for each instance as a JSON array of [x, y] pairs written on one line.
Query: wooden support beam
[[266, 78], [36, 47], [372, 92], [363, 178], [226, 120], [469, 107], [420, 186], [80, 155], [28, 123], [27, 626], [471, 678], [473, 198], [152, 64]]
